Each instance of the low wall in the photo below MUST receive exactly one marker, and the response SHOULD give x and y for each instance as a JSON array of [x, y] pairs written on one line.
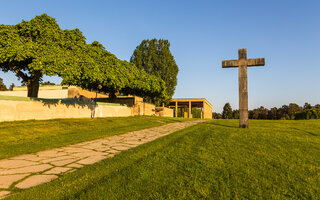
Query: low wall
[[25, 110], [164, 112], [48, 94], [138, 106], [142, 108], [72, 92], [129, 101]]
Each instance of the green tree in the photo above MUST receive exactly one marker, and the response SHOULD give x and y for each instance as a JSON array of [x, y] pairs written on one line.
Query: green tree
[[272, 114], [263, 112], [216, 115], [154, 57], [3, 87], [235, 114], [293, 109], [47, 83], [100, 67], [307, 106], [11, 87], [38, 47], [227, 111]]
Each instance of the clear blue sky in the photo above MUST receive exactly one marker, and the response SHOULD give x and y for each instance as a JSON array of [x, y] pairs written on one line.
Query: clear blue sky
[[202, 34]]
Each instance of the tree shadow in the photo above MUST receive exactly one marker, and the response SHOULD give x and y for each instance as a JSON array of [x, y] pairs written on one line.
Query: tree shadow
[[68, 102], [307, 132], [217, 124]]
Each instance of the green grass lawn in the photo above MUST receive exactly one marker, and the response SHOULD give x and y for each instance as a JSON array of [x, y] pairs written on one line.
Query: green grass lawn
[[213, 160], [30, 136]]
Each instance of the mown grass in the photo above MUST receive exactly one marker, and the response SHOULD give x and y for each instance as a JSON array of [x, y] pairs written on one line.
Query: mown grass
[[21, 137], [213, 160]]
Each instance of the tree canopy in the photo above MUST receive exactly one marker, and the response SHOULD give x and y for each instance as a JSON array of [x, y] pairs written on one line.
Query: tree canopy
[[285, 112], [40, 47], [227, 111], [154, 57], [100, 67], [37, 47]]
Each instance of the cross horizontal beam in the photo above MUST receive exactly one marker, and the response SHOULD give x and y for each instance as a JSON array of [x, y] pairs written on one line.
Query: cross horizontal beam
[[230, 63], [249, 63], [255, 62]]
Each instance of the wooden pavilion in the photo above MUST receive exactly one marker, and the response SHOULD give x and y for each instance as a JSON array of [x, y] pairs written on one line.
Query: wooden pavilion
[[183, 107]]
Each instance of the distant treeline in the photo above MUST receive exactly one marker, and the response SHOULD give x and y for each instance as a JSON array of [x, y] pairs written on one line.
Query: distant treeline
[[286, 112]]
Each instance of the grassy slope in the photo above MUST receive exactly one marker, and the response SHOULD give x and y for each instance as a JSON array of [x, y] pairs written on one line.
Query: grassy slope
[[213, 160], [22, 137]]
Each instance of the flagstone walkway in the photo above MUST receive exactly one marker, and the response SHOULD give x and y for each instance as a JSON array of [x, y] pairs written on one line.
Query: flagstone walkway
[[29, 170]]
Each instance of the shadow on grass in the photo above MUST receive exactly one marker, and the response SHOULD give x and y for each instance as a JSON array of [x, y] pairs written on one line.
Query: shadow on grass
[[217, 124], [307, 132]]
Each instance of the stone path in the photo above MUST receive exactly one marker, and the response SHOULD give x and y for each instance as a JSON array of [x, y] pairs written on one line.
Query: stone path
[[29, 170]]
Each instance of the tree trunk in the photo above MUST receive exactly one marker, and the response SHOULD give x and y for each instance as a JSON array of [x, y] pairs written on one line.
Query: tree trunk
[[112, 96], [33, 85]]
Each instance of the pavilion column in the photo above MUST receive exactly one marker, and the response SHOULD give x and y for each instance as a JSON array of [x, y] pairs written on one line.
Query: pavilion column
[[176, 109], [201, 113], [185, 113], [190, 110]]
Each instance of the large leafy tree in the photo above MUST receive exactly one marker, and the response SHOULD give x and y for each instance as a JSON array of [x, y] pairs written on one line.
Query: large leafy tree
[[100, 67], [38, 47], [154, 57]]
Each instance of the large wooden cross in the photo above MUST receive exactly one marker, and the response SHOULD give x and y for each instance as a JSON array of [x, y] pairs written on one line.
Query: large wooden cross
[[243, 63]]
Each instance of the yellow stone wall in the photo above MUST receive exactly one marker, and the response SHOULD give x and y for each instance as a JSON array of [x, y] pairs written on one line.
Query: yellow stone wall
[[26, 110], [164, 112], [72, 92], [207, 111], [142, 108]]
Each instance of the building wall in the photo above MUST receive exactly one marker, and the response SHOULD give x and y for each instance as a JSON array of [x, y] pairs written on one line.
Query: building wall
[[72, 92], [26, 110], [164, 112], [46, 94], [138, 106], [207, 111]]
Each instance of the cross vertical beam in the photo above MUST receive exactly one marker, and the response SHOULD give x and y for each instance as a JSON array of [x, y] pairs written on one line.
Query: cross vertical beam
[[243, 89], [243, 63]]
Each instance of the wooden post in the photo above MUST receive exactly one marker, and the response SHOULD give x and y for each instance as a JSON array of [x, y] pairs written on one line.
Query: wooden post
[[243, 89], [243, 63]]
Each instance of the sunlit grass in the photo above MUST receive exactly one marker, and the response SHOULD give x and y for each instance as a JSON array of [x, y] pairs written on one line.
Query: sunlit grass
[[212, 160]]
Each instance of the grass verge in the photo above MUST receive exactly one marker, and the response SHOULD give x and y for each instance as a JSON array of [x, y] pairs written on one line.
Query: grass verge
[[212, 160], [21, 137]]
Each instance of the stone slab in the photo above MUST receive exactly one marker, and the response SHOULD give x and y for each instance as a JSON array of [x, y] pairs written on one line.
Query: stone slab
[[92, 159], [57, 170], [29, 169], [75, 165], [56, 159], [63, 162], [35, 180], [4, 194], [7, 180], [11, 164]]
